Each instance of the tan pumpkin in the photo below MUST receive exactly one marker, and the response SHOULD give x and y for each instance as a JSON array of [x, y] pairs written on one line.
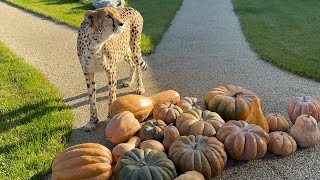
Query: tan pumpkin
[[197, 122], [142, 106], [281, 143], [83, 161], [243, 141], [152, 129], [303, 105], [171, 135], [190, 175], [256, 115], [188, 103], [305, 131], [122, 148], [152, 144], [277, 122], [122, 127], [230, 102], [203, 154], [167, 112]]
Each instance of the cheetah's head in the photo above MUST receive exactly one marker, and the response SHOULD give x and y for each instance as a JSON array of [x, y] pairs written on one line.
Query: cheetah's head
[[104, 22]]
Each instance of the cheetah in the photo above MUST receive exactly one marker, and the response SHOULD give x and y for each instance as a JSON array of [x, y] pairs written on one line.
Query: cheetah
[[105, 36]]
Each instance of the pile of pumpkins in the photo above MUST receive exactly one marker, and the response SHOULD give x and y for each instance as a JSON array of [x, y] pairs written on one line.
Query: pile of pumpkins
[[188, 137]]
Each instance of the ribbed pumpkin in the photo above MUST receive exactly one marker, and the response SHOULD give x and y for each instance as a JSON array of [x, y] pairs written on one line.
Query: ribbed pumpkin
[[188, 103], [171, 134], [281, 143], [203, 154], [243, 141], [83, 161], [197, 122], [230, 102], [152, 129], [305, 131], [256, 115], [150, 164], [277, 122], [303, 105], [122, 127], [167, 112], [190, 175]]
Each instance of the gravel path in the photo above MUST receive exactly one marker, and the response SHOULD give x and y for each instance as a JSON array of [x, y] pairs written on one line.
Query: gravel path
[[203, 48]]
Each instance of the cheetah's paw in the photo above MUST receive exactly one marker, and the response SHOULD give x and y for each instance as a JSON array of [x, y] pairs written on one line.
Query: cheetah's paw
[[141, 90], [126, 83], [90, 126]]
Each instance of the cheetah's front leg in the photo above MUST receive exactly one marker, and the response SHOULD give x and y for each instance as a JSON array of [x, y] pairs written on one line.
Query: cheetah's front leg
[[112, 86], [91, 125]]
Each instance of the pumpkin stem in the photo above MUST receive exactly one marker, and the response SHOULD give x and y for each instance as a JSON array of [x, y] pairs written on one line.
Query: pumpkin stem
[[304, 98], [237, 94]]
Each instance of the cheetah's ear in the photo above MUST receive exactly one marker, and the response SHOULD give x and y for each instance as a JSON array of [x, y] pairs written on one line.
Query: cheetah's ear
[[88, 15]]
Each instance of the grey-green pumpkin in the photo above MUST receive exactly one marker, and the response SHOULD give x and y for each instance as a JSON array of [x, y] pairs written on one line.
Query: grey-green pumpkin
[[152, 129]]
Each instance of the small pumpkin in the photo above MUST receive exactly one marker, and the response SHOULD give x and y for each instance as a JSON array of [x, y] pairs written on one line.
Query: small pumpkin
[[83, 161], [152, 129], [167, 112], [190, 175], [303, 105], [243, 141], [150, 164], [171, 135], [277, 122], [281, 143], [199, 153], [305, 131], [122, 127], [152, 144], [122, 148], [256, 115], [197, 122], [188, 103], [230, 102]]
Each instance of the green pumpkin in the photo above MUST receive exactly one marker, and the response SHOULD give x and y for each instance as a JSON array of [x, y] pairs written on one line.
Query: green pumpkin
[[150, 164], [152, 129]]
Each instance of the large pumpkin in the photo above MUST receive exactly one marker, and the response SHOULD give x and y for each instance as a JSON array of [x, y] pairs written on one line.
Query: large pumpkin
[[188, 103], [167, 112], [303, 105], [203, 154], [197, 122], [230, 102], [122, 127], [277, 122], [243, 141], [281, 143], [171, 134], [83, 161], [150, 164], [152, 129]]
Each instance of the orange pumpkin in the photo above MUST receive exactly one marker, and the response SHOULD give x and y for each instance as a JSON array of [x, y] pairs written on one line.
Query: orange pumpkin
[[122, 148], [243, 141], [151, 144], [281, 143], [190, 175], [303, 105], [83, 161], [188, 103], [230, 102], [277, 122], [256, 116], [197, 122], [167, 112], [122, 127], [171, 135]]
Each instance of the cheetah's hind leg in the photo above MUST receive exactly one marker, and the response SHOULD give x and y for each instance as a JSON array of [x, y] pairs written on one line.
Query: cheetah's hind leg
[[131, 78]]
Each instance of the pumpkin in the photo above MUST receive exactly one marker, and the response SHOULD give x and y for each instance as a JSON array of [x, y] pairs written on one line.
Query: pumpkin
[[203, 154], [122, 127], [142, 106], [277, 122], [150, 164], [167, 112], [188, 103], [197, 122], [281, 143], [230, 102], [170, 134], [83, 161], [190, 175], [305, 131], [152, 129], [121, 148], [256, 115], [303, 105], [243, 141], [152, 144]]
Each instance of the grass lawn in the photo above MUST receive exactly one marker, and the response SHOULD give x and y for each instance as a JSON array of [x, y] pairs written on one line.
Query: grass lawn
[[34, 121], [284, 32], [157, 15]]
